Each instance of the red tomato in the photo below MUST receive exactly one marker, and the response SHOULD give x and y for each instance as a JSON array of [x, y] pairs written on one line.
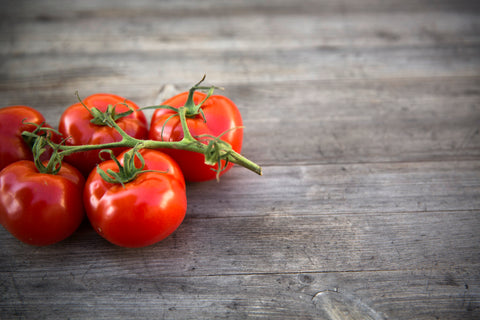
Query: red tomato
[[12, 146], [144, 210], [221, 114], [39, 208], [75, 124]]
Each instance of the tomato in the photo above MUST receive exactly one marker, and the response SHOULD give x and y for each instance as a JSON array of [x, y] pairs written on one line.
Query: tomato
[[142, 211], [221, 116], [12, 123], [39, 208], [75, 123]]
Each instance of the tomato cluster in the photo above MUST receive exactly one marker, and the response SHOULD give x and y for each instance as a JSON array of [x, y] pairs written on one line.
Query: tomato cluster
[[42, 208]]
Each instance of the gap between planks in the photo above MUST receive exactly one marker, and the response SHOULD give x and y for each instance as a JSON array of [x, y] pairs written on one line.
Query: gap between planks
[[247, 274], [333, 214], [453, 159]]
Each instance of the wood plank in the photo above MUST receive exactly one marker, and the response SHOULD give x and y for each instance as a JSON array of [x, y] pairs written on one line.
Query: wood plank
[[419, 294], [336, 121], [335, 189], [124, 31], [265, 245], [361, 121], [130, 72], [187, 8]]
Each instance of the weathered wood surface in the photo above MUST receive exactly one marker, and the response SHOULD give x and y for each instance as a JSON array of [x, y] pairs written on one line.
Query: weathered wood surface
[[364, 114]]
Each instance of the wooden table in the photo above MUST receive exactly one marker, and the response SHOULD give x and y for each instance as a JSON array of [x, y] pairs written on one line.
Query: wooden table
[[364, 114]]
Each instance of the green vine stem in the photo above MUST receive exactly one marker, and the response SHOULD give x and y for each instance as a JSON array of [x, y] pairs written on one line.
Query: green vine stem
[[223, 151]]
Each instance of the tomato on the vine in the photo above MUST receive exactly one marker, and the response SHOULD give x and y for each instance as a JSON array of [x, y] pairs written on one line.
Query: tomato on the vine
[[142, 211], [13, 121], [76, 125], [40, 208], [219, 116]]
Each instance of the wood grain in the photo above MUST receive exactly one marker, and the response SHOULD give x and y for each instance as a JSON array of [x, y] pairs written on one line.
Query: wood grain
[[428, 294], [364, 115]]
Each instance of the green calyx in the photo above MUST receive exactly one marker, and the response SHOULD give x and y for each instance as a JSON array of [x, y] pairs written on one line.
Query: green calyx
[[191, 109], [195, 109], [217, 151], [40, 140], [108, 117], [129, 171]]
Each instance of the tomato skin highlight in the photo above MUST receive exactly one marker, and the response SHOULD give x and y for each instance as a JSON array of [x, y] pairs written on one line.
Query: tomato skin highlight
[[38, 208], [221, 115], [75, 124], [143, 212], [12, 147]]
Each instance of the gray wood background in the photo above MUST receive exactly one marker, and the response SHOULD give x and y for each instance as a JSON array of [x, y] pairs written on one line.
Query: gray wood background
[[365, 115]]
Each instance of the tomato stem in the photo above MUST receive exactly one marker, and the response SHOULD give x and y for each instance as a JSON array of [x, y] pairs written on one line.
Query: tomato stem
[[216, 151]]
